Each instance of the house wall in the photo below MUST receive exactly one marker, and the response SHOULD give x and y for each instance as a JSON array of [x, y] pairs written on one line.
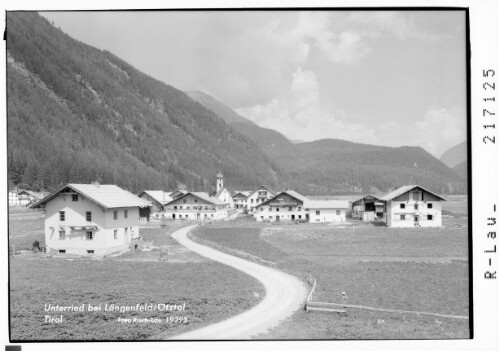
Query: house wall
[[254, 199], [270, 213], [13, 199], [239, 202], [394, 211], [225, 197], [327, 215], [75, 241], [194, 208]]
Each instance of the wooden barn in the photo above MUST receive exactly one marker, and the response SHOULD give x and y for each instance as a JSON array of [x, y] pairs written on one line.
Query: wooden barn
[[368, 208]]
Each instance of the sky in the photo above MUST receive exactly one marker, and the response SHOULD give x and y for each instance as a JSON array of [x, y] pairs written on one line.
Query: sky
[[375, 77]]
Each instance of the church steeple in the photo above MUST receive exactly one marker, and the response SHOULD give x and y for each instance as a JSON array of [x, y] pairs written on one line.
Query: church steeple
[[220, 181]]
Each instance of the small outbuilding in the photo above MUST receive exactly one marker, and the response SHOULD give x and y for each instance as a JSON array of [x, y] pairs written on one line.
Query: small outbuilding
[[368, 209]]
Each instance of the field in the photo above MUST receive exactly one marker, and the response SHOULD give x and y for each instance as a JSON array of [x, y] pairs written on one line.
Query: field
[[126, 280], [423, 270]]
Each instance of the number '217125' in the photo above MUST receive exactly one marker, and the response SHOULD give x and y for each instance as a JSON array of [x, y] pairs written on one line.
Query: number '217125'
[[486, 111]]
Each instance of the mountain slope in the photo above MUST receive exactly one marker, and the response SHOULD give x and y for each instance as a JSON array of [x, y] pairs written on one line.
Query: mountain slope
[[76, 113], [332, 166], [461, 169], [455, 155]]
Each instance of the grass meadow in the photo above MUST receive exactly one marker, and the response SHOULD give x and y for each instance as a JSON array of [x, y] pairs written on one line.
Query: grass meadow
[[211, 291], [423, 269]]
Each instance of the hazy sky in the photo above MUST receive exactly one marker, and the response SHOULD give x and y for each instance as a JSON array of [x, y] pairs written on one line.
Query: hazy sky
[[386, 78]]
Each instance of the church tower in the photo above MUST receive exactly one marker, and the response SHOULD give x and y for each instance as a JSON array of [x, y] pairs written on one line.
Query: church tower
[[220, 181]]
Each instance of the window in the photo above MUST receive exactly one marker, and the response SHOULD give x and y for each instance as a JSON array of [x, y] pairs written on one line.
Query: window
[[290, 208], [90, 235], [299, 216], [430, 217], [402, 217], [174, 207], [186, 216], [187, 207], [62, 216], [116, 233], [195, 200], [212, 215], [90, 252], [261, 208], [126, 232], [251, 200], [402, 205], [205, 215], [62, 251], [430, 205], [88, 216], [126, 214], [115, 214], [180, 207], [416, 206], [75, 197], [338, 212], [277, 209], [179, 216], [299, 208], [317, 213], [184, 201], [62, 234], [270, 209], [261, 217]]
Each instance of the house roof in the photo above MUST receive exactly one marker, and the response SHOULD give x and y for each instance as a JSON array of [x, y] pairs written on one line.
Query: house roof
[[107, 196], [220, 175], [203, 196], [261, 186], [403, 190], [243, 193], [369, 195], [178, 193], [289, 192], [38, 195], [220, 192], [159, 196], [318, 204]]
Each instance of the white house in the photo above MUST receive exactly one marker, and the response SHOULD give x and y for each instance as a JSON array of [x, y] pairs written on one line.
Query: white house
[[13, 198], [222, 193], [196, 206], [412, 206], [240, 199], [292, 206], [258, 196], [285, 206], [91, 219], [326, 210], [157, 199]]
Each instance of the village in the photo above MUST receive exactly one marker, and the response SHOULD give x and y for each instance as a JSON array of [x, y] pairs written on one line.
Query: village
[[101, 219]]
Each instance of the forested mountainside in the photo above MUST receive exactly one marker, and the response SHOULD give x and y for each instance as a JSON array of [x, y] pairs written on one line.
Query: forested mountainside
[[77, 114], [338, 166], [455, 155], [461, 169]]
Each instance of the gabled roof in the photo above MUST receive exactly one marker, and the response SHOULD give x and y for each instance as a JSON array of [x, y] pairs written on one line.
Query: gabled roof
[[291, 193], [203, 196], [159, 196], [178, 193], [220, 192], [318, 204], [403, 190], [32, 193], [261, 186], [106, 196], [369, 195], [243, 193]]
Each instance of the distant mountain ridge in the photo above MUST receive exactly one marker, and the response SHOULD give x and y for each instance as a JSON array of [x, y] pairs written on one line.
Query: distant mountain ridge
[[455, 155], [78, 114], [332, 165]]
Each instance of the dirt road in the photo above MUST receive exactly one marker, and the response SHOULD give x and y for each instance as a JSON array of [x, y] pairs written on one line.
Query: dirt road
[[284, 295]]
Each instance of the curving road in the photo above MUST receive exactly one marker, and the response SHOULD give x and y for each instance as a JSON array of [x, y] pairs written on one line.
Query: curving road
[[284, 295]]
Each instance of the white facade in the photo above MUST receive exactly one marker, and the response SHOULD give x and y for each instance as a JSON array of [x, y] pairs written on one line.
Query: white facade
[[13, 199], [412, 206], [195, 206], [68, 230], [327, 215], [224, 195], [257, 197], [410, 214]]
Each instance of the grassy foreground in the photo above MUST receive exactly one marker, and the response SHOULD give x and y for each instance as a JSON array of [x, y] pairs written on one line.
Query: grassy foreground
[[422, 270]]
